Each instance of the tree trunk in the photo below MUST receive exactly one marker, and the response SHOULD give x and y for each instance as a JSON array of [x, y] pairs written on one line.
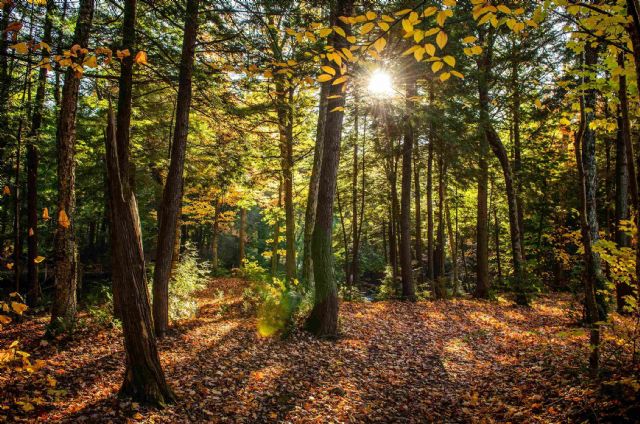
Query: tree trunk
[[353, 269], [492, 138], [323, 320], [624, 178], [285, 125], [242, 236], [418, 209], [517, 151], [63, 312], [144, 379], [275, 260], [591, 265], [5, 82], [408, 289], [214, 235], [429, 263], [439, 291], [496, 232], [172, 195], [312, 197]]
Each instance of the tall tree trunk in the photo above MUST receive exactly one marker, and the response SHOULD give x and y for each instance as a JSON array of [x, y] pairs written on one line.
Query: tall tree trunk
[[418, 209], [591, 261], [496, 232], [517, 150], [215, 233], [453, 246], [172, 195], [312, 197], [493, 139], [429, 264], [440, 256], [144, 379], [275, 259], [63, 312], [242, 236], [323, 320], [34, 293], [354, 269], [625, 171], [285, 124], [5, 81], [408, 289]]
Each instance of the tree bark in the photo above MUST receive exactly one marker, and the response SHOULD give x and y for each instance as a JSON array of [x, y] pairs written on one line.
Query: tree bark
[[312, 197], [408, 289], [172, 195], [242, 236], [63, 311], [323, 320], [624, 178], [144, 379], [34, 292], [493, 139], [429, 263]]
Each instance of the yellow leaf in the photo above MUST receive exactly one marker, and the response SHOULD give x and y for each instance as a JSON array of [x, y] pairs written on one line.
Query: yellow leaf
[[469, 39], [379, 44], [38, 259], [4, 319], [450, 60], [450, 3], [141, 58], [441, 39], [6, 191], [436, 66], [328, 70], [351, 39], [429, 11], [339, 31], [410, 50], [90, 61], [504, 9], [419, 54], [445, 76], [339, 80], [337, 109], [138, 416], [457, 74], [45, 214], [19, 308], [324, 78], [121, 54], [324, 32], [366, 28], [407, 26], [383, 26], [63, 219], [430, 49], [10, 265], [371, 15], [402, 12], [20, 48]]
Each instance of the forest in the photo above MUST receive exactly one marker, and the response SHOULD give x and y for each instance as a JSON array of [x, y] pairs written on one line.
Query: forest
[[305, 211]]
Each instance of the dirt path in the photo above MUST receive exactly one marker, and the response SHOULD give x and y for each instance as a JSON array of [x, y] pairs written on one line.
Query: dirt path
[[455, 361]]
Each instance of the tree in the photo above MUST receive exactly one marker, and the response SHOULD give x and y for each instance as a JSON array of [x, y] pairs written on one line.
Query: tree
[[172, 194], [323, 320], [63, 311]]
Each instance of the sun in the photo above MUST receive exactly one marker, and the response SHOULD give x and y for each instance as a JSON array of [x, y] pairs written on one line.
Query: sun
[[380, 84]]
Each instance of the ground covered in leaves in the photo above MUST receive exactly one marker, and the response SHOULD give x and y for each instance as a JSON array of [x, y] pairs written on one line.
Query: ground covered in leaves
[[447, 361]]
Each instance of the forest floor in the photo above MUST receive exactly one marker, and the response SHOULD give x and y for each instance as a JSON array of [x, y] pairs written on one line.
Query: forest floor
[[446, 361]]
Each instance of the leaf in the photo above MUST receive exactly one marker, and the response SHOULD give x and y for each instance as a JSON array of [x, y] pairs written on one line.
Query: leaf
[[371, 15], [436, 66], [441, 39], [366, 28], [402, 12], [324, 32], [324, 78], [339, 31], [5, 319], [445, 76], [457, 74], [328, 70], [384, 26], [339, 80], [90, 61], [380, 44], [337, 109], [450, 60], [18, 307], [38, 259], [45, 214], [6, 191], [63, 219], [141, 58], [430, 49], [20, 48], [469, 39]]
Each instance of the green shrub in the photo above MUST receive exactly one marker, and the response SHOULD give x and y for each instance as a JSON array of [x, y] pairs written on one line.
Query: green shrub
[[388, 287], [189, 277]]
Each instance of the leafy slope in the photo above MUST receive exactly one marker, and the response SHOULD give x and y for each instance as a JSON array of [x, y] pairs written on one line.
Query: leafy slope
[[454, 361]]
